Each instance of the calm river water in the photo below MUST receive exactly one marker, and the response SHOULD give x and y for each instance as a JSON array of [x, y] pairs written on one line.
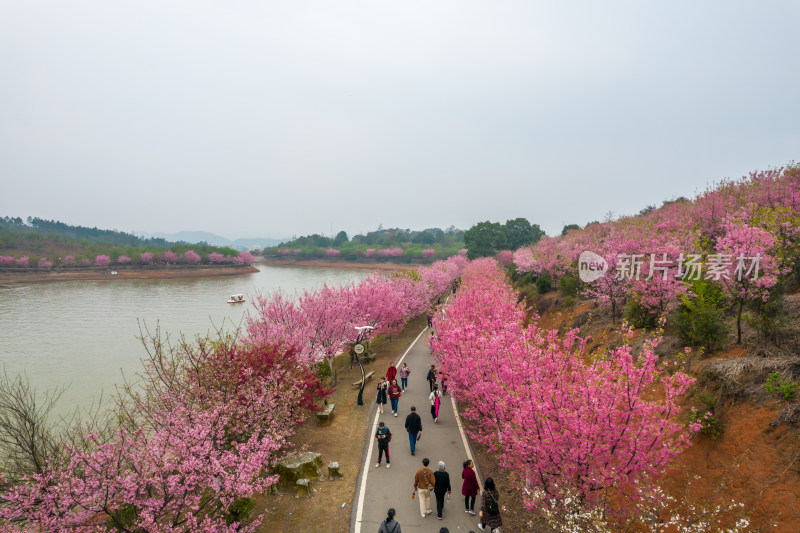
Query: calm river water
[[84, 333]]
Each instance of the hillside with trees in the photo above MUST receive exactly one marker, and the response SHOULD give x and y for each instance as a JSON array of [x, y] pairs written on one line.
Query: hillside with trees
[[392, 244], [649, 372], [41, 244]]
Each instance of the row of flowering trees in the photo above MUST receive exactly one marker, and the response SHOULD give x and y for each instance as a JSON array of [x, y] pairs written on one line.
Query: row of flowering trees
[[742, 235], [321, 322], [584, 436], [187, 448], [190, 257]]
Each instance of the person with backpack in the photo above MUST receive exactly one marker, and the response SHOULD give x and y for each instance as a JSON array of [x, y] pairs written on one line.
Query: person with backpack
[[390, 525], [394, 395], [435, 402], [490, 508], [384, 437], [424, 484]]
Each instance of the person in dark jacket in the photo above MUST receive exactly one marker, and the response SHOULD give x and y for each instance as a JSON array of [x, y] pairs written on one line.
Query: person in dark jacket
[[441, 487], [414, 428], [488, 520], [469, 489], [390, 525], [383, 387], [383, 436], [431, 377]]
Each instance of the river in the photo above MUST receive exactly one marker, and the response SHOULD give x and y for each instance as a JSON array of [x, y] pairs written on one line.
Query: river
[[84, 333]]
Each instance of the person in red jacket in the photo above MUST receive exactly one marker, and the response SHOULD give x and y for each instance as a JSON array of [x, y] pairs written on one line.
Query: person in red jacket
[[469, 489], [391, 374]]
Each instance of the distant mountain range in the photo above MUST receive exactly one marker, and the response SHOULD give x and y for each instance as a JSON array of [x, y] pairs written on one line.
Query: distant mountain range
[[195, 237]]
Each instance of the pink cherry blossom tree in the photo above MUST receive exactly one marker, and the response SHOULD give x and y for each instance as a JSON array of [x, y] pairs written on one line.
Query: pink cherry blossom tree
[[23, 261], [191, 257], [216, 258], [246, 258], [505, 257], [428, 253], [44, 264], [123, 260], [102, 260], [332, 252], [69, 260], [170, 257], [210, 420], [146, 258], [749, 270], [578, 432], [7, 260]]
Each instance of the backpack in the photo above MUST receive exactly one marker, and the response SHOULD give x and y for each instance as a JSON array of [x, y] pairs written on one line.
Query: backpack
[[491, 506]]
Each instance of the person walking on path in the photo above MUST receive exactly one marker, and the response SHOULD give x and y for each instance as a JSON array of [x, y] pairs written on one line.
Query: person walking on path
[[381, 399], [424, 483], [394, 395], [441, 487], [403, 373], [414, 428], [384, 437], [490, 508], [390, 525], [430, 320], [391, 372], [435, 402], [431, 377], [469, 489]]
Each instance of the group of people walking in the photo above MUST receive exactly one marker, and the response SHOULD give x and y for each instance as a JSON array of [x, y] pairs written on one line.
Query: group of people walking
[[389, 389], [428, 483]]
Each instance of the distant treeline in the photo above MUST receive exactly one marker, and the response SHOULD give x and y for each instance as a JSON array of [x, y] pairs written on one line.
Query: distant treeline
[[38, 239], [395, 244], [41, 226]]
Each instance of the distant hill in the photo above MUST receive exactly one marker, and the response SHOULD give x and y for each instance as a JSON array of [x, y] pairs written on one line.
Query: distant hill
[[194, 237]]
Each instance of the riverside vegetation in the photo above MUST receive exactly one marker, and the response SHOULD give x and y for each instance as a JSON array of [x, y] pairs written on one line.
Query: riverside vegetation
[[188, 446]]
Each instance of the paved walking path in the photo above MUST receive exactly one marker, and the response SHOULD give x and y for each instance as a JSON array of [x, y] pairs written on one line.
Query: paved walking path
[[381, 488]]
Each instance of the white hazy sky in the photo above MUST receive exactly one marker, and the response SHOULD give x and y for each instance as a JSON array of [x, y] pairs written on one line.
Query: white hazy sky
[[292, 117]]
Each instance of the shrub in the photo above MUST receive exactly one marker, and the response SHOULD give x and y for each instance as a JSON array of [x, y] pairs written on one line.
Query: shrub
[[769, 318], [568, 285], [775, 383], [640, 316], [323, 370], [709, 424], [544, 282], [239, 510], [699, 318]]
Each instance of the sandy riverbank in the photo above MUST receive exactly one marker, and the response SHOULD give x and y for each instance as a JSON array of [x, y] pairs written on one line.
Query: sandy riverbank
[[9, 279]]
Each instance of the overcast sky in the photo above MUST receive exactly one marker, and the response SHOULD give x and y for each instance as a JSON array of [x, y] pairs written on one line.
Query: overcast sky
[[249, 118]]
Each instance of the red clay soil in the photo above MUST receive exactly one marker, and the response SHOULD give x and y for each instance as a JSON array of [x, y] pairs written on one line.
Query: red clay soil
[[753, 462], [766, 479]]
